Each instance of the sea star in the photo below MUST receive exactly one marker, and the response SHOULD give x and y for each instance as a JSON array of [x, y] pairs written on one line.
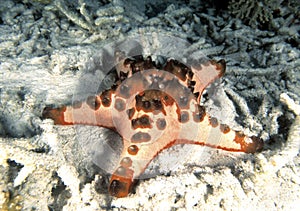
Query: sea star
[[154, 107]]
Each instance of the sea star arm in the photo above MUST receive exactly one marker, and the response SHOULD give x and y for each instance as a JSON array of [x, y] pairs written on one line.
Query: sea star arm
[[143, 142], [94, 111], [134, 160], [199, 76], [208, 72], [201, 129]]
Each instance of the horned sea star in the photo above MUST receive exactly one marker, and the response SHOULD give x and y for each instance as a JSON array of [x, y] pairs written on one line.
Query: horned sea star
[[154, 108]]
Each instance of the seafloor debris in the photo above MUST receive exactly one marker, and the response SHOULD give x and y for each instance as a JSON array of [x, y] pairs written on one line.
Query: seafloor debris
[[265, 12]]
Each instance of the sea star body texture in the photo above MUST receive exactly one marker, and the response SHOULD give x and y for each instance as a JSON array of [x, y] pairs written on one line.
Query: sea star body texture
[[152, 108]]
